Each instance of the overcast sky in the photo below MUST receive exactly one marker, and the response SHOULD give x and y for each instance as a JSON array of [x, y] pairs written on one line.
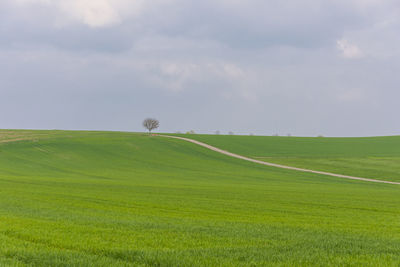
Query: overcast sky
[[304, 67]]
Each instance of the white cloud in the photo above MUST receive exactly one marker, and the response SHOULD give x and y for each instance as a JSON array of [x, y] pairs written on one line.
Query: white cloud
[[233, 71], [180, 76], [176, 76], [27, 2], [348, 49], [94, 13]]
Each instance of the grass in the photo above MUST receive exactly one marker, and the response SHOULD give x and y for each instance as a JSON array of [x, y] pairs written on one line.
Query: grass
[[370, 157], [123, 199]]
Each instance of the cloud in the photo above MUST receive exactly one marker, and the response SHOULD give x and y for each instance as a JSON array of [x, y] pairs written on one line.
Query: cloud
[[31, 2], [253, 24], [179, 76], [348, 49], [93, 13], [200, 63], [351, 95]]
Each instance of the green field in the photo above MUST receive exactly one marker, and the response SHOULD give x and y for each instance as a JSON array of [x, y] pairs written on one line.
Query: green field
[[370, 157], [125, 199]]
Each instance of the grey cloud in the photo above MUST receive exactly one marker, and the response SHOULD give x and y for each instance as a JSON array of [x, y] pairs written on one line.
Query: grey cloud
[[206, 66], [256, 24]]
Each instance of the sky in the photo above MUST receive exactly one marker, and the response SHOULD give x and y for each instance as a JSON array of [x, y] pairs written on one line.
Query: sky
[[265, 67]]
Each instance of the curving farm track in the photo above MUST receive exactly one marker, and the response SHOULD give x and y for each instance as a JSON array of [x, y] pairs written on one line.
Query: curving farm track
[[277, 165]]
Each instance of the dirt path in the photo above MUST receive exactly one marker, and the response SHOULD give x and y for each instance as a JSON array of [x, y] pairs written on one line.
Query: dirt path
[[276, 165]]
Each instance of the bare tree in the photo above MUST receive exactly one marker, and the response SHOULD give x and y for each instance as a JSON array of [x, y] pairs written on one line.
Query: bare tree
[[151, 124]]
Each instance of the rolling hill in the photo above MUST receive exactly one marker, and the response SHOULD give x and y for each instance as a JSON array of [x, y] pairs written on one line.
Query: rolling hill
[[124, 199], [370, 157]]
